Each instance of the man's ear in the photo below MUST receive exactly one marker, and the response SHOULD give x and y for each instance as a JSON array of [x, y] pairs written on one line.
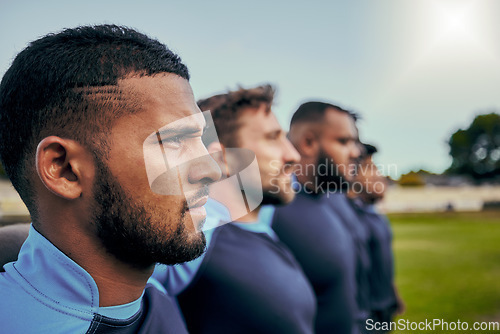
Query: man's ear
[[61, 165], [308, 144]]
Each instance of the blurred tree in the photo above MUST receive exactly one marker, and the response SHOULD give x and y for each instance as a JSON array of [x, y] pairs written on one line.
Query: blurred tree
[[411, 179], [476, 150], [2, 171]]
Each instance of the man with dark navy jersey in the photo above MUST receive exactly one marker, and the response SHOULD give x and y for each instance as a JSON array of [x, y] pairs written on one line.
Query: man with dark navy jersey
[[370, 187], [312, 225], [80, 113], [248, 281]]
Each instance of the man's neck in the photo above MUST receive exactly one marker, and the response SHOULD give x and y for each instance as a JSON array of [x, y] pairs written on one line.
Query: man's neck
[[252, 217], [307, 182], [118, 283], [310, 185]]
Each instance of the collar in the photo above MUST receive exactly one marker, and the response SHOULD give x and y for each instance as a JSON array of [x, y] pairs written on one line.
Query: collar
[[57, 281], [217, 214], [263, 223]]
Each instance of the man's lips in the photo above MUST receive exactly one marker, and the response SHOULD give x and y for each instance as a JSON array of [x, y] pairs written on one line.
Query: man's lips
[[199, 202], [197, 211]]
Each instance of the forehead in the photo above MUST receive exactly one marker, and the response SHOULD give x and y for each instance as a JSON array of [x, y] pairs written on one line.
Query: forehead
[[339, 124], [165, 98], [258, 121]]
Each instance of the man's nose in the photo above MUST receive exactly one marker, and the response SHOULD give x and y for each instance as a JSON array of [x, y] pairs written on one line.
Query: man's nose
[[355, 150], [290, 154], [204, 170]]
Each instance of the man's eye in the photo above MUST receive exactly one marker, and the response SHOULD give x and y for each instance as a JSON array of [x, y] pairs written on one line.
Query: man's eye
[[175, 140], [344, 141], [273, 136]]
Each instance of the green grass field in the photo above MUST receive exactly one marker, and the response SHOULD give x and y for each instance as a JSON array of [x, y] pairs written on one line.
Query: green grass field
[[448, 265]]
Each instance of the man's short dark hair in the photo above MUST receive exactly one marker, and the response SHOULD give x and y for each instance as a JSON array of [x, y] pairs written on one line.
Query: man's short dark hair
[[314, 112], [65, 84], [226, 110]]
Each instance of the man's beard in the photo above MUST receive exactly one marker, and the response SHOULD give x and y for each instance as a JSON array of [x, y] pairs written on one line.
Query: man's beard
[[137, 234], [273, 199], [278, 193], [328, 174], [282, 197]]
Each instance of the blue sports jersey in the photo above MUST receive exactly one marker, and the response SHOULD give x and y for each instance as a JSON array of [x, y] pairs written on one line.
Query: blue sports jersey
[[248, 282], [344, 209], [381, 278], [45, 291], [323, 246], [176, 278]]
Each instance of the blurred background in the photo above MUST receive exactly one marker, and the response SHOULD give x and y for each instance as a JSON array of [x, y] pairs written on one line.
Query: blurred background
[[422, 75]]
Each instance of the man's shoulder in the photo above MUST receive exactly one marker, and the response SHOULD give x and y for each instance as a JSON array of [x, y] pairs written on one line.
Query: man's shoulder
[[25, 312], [313, 210], [161, 313], [15, 294], [302, 206], [231, 244], [231, 235], [9, 292]]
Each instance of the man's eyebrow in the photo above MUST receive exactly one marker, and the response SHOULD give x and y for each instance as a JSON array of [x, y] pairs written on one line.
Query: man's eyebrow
[[347, 138], [274, 132], [181, 130]]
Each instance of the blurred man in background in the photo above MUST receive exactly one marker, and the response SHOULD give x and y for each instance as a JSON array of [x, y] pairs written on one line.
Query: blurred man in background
[[248, 281], [316, 225], [367, 191]]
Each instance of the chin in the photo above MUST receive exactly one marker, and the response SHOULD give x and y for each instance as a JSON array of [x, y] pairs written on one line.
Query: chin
[[195, 238], [288, 194], [194, 224]]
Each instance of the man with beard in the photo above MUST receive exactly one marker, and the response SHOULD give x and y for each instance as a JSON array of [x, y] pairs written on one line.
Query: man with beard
[[248, 281], [314, 225], [79, 110], [369, 189]]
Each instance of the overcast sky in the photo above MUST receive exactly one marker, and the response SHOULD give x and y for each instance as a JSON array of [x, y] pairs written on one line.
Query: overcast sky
[[415, 70]]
